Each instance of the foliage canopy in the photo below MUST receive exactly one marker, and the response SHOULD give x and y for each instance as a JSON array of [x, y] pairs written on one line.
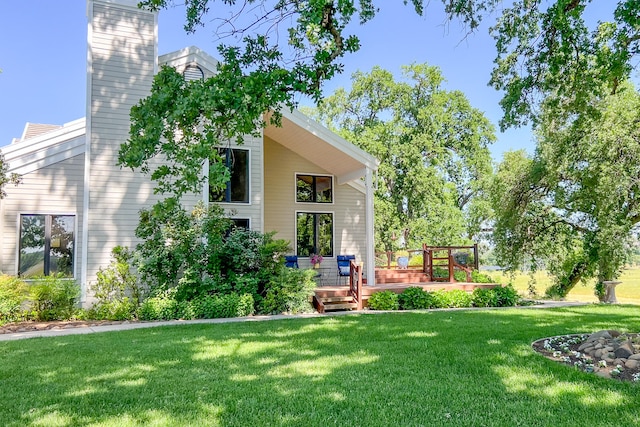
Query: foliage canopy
[[574, 205], [433, 151]]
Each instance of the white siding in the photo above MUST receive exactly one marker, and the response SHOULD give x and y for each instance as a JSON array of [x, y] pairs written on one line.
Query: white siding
[[55, 189], [122, 53], [280, 207]]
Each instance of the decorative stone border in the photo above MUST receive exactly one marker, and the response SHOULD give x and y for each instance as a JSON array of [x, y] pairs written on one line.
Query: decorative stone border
[[607, 353]]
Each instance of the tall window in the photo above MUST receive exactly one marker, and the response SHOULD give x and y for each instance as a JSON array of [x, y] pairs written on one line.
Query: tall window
[[314, 189], [237, 189], [314, 234], [46, 245]]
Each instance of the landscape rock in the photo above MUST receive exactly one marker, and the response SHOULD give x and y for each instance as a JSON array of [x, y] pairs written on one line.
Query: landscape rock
[[600, 334], [625, 350]]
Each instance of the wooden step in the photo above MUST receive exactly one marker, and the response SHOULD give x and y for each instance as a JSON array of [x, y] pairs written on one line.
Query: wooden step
[[341, 306], [336, 299]]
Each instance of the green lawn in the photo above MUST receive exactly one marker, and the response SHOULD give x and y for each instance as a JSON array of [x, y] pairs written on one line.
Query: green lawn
[[463, 368], [628, 292]]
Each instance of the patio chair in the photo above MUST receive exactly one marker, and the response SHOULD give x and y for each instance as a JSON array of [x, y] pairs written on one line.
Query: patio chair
[[343, 265], [291, 261]]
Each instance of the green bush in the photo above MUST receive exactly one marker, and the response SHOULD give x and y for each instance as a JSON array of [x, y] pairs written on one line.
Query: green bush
[[289, 291], [500, 296], [506, 296], [230, 305], [121, 309], [483, 297], [54, 297], [13, 294], [162, 306], [385, 300], [440, 272], [414, 298], [166, 307], [477, 277], [460, 276], [458, 298], [117, 290], [439, 299]]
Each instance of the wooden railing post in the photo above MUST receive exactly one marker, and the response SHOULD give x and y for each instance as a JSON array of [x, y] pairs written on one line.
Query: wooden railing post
[[355, 283], [476, 260], [451, 276]]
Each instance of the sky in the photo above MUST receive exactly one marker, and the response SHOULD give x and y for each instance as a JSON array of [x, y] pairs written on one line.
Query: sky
[[43, 60]]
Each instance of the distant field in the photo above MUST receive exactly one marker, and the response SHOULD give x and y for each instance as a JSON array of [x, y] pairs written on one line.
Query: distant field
[[627, 292]]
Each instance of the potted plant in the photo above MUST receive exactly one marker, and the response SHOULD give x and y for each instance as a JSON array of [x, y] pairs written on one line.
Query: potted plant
[[315, 259]]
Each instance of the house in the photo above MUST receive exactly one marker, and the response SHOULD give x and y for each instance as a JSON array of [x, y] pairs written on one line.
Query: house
[[74, 205]]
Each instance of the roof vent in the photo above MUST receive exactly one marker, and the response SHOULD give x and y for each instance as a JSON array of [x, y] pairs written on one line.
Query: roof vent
[[193, 72]]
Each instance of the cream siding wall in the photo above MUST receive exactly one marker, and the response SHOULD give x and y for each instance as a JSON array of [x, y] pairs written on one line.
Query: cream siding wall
[[55, 189], [280, 207], [122, 62]]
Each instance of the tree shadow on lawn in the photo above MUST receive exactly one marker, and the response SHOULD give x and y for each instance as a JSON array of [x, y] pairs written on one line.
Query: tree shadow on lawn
[[419, 368]]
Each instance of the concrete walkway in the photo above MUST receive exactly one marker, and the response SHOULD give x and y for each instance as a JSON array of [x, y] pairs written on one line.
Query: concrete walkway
[[58, 332]]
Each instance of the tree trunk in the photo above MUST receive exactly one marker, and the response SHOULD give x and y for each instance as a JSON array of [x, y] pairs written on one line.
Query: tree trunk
[[564, 284]]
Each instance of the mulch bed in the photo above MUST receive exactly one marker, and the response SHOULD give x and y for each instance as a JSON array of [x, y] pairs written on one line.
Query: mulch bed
[[31, 326]]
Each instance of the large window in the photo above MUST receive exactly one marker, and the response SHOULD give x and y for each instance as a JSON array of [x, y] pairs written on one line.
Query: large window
[[46, 245], [314, 234], [237, 189], [314, 189]]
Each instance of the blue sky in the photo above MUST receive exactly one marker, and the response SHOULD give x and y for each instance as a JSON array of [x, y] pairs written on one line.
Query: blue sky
[[43, 58]]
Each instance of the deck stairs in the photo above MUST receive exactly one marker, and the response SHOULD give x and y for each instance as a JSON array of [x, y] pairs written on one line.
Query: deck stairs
[[334, 300]]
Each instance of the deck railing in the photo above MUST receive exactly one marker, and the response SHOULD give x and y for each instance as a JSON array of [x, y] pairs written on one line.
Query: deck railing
[[389, 260], [435, 261], [355, 283]]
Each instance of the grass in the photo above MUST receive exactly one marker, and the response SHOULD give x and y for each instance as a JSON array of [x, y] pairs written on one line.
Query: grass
[[461, 368], [628, 292]]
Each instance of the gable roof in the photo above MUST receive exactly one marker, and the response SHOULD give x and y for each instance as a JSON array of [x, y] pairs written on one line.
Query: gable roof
[[316, 143], [43, 145], [47, 148]]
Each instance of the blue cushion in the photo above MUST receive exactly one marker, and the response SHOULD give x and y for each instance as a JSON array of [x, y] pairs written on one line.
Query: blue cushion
[[343, 270]]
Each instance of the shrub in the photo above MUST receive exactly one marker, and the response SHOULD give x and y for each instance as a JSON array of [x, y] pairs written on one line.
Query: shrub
[[13, 294], [458, 298], [289, 291], [506, 296], [163, 306], [116, 289], [482, 297], [460, 276], [439, 299], [122, 309], [180, 245], [414, 298], [385, 300], [440, 272], [54, 297], [166, 307], [477, 277], [500, 296], [219, 306]]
